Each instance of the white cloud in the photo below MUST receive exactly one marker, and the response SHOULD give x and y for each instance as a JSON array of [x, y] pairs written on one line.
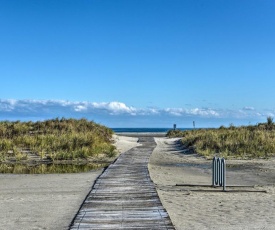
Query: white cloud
[[175, 111], [269, 114], [117, 110], [62, 106], [80, 108], [249, 108], [204, 112], [7, 105], [114, 107]]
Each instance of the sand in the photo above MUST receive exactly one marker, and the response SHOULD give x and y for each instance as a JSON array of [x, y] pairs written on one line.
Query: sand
[[124, 143], [198, 207], [51, 201], [48, 201]]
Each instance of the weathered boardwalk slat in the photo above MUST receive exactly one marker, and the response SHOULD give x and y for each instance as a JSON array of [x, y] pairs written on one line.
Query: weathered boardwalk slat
[[124, 197]]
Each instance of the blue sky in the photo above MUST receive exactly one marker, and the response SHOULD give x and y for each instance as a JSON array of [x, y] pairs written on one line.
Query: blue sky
[[138, 63]]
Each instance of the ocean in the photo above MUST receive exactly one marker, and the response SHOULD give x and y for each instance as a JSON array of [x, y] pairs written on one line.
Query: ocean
[[145, 130]]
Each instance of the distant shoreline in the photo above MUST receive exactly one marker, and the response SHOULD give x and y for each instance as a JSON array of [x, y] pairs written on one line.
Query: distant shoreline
[[145, 130], [141, 132]]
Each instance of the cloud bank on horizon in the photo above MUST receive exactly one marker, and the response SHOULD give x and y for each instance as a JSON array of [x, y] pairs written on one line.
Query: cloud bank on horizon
[[109, 113]]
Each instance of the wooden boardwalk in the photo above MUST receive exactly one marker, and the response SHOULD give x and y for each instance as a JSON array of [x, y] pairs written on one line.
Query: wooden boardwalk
[[124, 197]]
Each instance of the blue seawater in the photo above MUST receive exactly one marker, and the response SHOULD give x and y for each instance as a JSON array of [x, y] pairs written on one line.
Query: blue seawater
[[144, 130]]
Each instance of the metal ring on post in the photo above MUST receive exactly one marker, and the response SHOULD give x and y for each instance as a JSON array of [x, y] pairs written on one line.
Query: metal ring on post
[[218, 173], [223, 172], [214, 165], [219, 179]]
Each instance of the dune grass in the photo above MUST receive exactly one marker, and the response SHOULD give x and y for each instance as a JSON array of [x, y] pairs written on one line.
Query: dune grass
[[56, 139], [244, 142]]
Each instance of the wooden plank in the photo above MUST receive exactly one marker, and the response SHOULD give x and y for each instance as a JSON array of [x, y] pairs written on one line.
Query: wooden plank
[[124, 196]]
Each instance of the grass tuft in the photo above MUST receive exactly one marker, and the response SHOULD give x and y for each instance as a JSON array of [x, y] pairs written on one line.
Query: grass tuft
[[233, 142], [56, 139]]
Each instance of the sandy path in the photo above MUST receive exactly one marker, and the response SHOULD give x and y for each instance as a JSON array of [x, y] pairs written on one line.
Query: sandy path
[[47, 201], [203, 209], [42, 201]]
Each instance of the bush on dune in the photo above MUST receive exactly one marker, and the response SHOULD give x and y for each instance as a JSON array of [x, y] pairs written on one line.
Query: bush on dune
[[233, 142], [56, 139]]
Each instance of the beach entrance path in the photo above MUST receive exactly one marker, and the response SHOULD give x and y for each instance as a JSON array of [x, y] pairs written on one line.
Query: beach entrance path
[[124, 197]]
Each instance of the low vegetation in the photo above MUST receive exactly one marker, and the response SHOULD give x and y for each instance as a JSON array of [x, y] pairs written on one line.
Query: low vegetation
[[233, 142], [18, 168], [56, 139]]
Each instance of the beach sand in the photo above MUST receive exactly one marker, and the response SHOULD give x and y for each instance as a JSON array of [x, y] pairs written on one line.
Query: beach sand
[[199, 207], [48, 201], [51, 201]]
